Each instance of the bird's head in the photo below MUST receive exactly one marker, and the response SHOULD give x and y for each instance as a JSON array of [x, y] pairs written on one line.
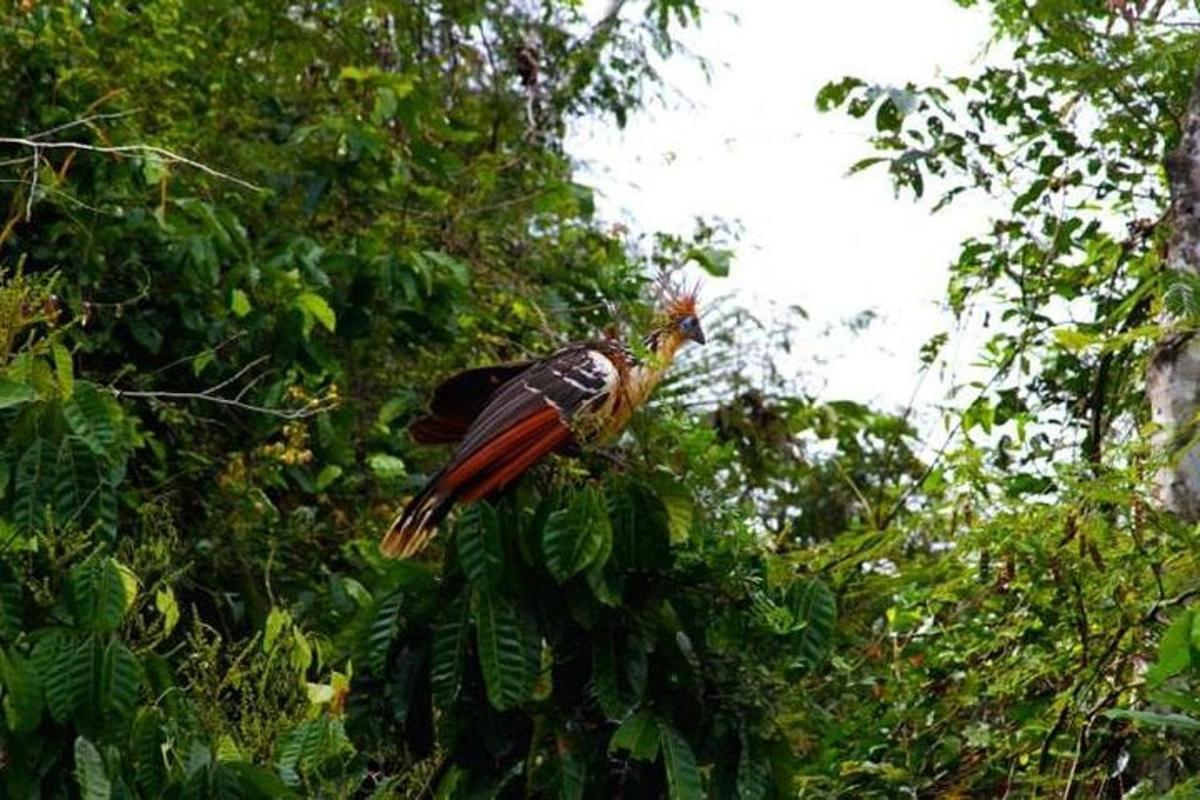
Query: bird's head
[[682, 322]]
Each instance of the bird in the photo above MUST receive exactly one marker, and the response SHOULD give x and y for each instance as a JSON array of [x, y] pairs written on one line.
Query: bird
[[503, 419]]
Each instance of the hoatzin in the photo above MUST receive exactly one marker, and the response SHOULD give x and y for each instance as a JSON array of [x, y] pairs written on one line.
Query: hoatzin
[[506, 418]]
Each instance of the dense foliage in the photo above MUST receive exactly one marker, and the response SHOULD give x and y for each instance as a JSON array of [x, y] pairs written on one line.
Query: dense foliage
[[1007, 641], [239, 244]]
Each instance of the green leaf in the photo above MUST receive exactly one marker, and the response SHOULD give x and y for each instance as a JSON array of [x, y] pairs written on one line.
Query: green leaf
[[450, 632], [385, 624], [14, 393], [680, 508], [386, 466], [509, 650], [300, 750], [93, 416], [32, 486], [118, 682], [479, 544], [64, 370], [64, 665], [574, 537], [640, 528], [22, 692], [83, 491], [89, 772], [164, 602], [239, 303], [100, 591], [683, 776], [713, 260], [315, 307], [572, 778], [328, 474], [753, 773], [1179, 722], [12, 604], [146, 742], [1174, 650], [639, 735], [814, 607], [618, 674]]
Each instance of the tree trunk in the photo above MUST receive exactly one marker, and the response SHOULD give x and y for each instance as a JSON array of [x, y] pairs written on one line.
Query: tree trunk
[[1173, 378]]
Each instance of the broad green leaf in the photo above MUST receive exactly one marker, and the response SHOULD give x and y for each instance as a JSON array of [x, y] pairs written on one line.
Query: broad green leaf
[[753, 773], [450, 632], [64, 665], [15, 393], [64, 370], [509, 650], [93, 416], [316, 307], [1174, 650], [146, 752], [680, 508], [640, 735], [33, 486], [118, 682], [386, 466], [239, 304], [713, 260], [100, 591], [576, 536], [1179, 722], [814, 608], [572, 779], [164, 602], [479, 544], [683, 776], [22, 692], [12, 604], [89, 772]]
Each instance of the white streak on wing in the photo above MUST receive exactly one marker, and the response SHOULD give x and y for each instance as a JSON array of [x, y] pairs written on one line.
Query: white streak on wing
[[541, 394], [603, 367], [581, 387]]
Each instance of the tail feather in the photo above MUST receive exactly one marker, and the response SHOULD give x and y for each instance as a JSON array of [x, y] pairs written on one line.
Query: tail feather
[[417, 523]]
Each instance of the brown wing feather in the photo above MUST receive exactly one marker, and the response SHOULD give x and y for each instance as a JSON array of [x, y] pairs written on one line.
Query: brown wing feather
[[527, 418], [459, 399]]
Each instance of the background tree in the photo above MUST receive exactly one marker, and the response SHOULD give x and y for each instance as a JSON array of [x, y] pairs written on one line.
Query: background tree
[[239, 244], [1005, 632]]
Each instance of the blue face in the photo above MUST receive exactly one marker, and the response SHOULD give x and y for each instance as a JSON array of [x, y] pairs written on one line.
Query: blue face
[[689, 326]]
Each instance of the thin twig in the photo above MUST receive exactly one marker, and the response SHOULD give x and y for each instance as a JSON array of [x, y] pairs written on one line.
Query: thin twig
[[85, 121], [33, 182], [144, 149], [282, 413]]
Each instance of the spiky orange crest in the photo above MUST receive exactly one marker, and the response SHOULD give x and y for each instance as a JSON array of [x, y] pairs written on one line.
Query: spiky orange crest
[[676, 298]]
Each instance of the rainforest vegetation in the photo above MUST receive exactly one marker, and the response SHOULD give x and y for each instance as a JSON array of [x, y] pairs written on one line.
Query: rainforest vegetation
[[240, 243]]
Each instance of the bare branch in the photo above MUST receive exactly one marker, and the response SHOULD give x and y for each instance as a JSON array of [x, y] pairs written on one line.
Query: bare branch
[[210, 395], [85, 121], [126, 149], [282, 413]]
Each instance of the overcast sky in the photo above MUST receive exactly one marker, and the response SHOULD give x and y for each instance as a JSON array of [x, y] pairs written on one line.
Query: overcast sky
[[750, 147]]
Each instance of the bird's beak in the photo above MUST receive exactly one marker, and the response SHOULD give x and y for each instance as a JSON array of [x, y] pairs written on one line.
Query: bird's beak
[[697, 334]]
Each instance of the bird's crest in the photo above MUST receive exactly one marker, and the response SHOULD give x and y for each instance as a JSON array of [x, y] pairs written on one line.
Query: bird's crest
[[676, 298]]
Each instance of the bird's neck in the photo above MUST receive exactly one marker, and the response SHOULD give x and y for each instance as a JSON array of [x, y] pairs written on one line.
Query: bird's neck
[[662, 344]]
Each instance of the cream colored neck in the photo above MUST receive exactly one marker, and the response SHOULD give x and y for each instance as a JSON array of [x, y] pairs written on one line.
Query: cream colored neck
[[663, 344]]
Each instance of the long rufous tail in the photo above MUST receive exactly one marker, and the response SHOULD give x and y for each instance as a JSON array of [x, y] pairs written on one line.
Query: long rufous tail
[[417, 523]]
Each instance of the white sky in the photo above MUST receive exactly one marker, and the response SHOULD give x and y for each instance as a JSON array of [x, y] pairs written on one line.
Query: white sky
[[750, 147]]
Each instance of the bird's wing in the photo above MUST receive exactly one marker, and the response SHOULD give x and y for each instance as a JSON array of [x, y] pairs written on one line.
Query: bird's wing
[[459, 399], [529, 417], [526, 419]]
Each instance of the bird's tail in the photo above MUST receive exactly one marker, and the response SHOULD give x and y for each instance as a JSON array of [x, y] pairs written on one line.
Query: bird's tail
[[417, 523]]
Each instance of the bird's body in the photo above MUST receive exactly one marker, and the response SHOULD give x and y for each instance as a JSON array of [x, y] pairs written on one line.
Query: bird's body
[[506, 418]]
